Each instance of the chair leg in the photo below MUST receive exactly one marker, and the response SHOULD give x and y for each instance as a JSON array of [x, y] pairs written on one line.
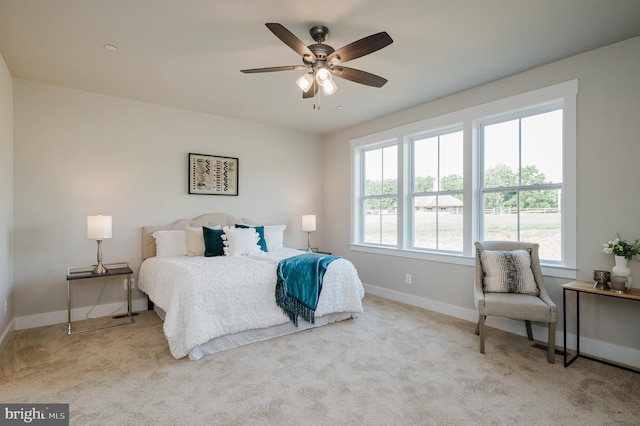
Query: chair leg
[[480, 329], [477, 331], [552, 343], [529, 332]]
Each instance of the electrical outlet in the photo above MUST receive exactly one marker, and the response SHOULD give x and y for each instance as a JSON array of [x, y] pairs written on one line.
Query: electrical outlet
[[6, 307], [407, 279], [125, 284], [133, 283]]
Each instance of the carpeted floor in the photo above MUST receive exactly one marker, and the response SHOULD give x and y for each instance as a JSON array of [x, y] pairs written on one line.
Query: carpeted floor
[[395, 364]]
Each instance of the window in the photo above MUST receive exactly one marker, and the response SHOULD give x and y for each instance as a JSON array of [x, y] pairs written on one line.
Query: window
[[502, 170], [437, 198], [521, 180], [380, 195]]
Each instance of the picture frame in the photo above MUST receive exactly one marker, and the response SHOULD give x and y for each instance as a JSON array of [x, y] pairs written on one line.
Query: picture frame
[[213, 175]]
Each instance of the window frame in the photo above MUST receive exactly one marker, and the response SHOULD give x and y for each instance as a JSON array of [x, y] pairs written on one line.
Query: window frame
[[518, 188], [468, 119], [437, 192], [363, 181]]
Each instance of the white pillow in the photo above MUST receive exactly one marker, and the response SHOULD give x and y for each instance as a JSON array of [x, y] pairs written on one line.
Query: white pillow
[[274, 236], [195, 240], [240, 241], [508, 272], [170, 243]]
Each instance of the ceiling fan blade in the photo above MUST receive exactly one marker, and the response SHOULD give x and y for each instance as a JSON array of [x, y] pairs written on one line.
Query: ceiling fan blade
[[311, 92], [272, 69], [359, 76], [360, 48], [292, 41]]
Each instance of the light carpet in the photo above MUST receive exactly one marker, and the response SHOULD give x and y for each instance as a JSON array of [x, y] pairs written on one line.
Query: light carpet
[[394, 365]]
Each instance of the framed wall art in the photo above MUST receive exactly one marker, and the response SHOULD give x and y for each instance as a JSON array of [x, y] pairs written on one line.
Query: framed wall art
[[213, 175]]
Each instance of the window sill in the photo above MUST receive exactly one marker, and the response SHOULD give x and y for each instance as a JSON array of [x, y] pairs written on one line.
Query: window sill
[[555, 271]]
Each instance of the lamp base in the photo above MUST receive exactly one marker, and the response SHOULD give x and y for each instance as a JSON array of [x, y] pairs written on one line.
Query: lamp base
[[309, 242], [99, 269]]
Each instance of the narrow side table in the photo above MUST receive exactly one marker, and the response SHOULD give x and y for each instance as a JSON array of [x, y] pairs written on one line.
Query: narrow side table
[[75, 273], [587, 287]]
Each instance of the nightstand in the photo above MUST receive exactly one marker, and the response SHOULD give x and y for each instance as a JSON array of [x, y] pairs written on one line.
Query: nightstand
[[322, 252], [76, 273], [315, 250]]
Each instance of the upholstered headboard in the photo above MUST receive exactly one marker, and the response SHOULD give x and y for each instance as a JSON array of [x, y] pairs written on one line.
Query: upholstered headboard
[[209, 219]]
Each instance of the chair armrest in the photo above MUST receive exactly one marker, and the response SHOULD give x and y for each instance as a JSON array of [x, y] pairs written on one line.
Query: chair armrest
[[478, 292], [544, 296]]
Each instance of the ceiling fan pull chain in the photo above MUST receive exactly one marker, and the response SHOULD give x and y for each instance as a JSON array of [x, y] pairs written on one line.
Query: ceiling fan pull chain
[[315, 93]]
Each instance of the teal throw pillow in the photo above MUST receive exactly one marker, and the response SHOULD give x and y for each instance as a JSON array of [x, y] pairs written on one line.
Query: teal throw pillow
[[213, 245]]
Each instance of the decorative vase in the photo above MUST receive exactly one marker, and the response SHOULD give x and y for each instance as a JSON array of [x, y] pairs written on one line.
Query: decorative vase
[[622, 269]]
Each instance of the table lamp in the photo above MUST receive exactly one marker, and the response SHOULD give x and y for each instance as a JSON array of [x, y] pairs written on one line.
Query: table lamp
[[99, 228], [309, 226]]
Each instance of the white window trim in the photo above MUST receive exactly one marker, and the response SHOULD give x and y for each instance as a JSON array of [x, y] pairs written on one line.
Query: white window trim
[[409, 200], [467, 118]]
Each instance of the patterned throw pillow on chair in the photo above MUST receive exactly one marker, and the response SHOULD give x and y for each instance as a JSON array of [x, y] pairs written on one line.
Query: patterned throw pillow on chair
[[508, 272]]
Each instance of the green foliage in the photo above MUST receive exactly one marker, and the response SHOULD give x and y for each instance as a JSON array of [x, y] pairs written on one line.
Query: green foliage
[[376, 187], [621, 247], [499, 176], [452, 183], [502, 176]]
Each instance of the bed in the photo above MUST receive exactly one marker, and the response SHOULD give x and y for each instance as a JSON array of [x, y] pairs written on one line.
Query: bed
[[211, 302]]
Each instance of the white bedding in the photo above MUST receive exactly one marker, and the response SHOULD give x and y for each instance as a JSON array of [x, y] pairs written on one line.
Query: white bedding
[[208, 297]]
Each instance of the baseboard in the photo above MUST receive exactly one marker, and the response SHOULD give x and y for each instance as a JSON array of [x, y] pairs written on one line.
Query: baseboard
[[592, 347], [6, 334], [77, 314], [424, 303]]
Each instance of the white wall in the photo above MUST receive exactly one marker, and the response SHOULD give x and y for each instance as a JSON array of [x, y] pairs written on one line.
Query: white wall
[[79, 153], [608, 201], [6, 196]]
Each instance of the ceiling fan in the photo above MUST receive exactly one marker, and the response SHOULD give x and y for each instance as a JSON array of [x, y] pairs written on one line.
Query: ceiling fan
[[321, 61]]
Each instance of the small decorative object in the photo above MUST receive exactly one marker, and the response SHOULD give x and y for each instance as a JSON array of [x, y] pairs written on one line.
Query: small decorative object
[[623, 252], [622, 270], [620, 247], [309, 226], [601, 279], [213, 175], [99, 228]]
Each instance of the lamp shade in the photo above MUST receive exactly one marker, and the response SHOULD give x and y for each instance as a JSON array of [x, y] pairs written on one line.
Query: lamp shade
[[329, 87], [309, 222], [98, 227], [305, 82], [322, 75]]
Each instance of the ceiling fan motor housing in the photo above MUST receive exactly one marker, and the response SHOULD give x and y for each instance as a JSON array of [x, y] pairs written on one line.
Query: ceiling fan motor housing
[[321, 51], [319, 33]]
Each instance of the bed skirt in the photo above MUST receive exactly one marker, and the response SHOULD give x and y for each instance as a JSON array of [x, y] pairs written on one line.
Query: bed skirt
[[231, 341]]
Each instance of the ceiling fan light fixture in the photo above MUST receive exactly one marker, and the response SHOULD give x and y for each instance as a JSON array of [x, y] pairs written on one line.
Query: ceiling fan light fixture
[[322, 75], [323, 61], [305, 82], [329, 87]]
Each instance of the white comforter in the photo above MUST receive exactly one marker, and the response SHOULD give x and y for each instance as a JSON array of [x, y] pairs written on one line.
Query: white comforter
[[208, 297]]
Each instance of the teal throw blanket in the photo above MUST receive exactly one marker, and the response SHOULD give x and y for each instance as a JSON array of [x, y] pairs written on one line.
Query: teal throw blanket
[[299, 283]]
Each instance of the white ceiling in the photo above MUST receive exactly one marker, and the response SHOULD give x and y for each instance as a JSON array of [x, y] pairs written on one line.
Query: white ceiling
[[188, 53]]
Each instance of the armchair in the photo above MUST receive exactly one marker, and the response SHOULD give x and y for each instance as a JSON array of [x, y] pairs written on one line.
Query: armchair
[[515, 300]]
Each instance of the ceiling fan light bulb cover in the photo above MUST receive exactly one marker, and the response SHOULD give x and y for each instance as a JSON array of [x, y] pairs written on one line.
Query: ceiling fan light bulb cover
[[329, 87], [322, 75], [305, 82]]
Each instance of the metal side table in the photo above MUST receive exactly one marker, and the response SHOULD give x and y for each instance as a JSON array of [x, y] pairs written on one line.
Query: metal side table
[[587, 287], [75, 273]]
